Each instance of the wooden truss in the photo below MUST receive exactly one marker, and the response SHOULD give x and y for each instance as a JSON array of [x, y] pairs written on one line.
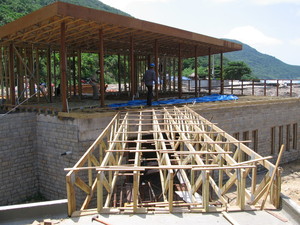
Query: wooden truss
[[170, 160]]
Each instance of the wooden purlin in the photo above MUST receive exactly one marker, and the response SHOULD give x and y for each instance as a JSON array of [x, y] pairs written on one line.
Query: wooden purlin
[[209, 166]]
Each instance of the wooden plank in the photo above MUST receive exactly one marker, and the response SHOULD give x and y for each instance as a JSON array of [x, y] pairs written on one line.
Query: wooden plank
[[82, 185], [272, 177]]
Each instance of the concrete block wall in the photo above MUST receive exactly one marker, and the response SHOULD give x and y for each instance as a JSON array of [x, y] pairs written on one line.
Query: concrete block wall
[[260, 117], [54, 138], [18, 158], [31, 145]]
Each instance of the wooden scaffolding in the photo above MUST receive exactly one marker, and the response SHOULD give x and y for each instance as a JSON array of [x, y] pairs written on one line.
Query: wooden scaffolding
[[170, 160]]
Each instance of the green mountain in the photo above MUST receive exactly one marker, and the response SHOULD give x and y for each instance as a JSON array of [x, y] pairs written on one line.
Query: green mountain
[[11, 10], [262, 65]]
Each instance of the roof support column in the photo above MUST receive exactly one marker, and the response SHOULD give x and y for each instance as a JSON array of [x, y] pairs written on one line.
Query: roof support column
[[12, 75], [79, 73], [119, 73], [125, 73], [1, 75], [209, 71], [132, 90], [74, 73], [101, 65], [196, 72], [37, 72], [179, 72], [221, 74], [63, 66], [49, 78], [156, 67]]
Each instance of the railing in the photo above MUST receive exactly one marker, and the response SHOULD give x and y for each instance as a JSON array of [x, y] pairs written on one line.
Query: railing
[[199, 167]]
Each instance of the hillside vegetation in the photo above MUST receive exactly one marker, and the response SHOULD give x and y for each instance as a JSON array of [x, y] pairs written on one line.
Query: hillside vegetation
[[262, 65]]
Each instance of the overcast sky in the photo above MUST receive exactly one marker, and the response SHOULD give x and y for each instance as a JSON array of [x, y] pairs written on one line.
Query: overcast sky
[[270, 26]]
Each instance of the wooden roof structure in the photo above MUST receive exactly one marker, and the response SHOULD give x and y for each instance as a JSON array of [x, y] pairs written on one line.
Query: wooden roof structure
[[42, 28], [72, 29]]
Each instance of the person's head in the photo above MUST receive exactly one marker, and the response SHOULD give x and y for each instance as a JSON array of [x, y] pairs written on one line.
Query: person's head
[[152, 65]]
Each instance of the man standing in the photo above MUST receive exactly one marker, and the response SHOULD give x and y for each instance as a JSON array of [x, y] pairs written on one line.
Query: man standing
[[148, 79]]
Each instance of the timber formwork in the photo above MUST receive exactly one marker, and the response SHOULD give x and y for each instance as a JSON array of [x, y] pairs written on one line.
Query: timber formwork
[[170, 160]]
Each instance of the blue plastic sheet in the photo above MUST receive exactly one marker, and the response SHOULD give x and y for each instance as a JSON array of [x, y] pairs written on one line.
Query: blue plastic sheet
[[209, 98]]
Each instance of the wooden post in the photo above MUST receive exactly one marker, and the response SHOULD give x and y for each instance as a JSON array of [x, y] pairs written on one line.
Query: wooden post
[[37, 72], [119, 73], [63, 66], [70, 181], [79, 73], [232, 86], [265, 87], [19, 78], [125, 74], [252, 87], [156, 68], [179, 72], [165, 75], [242, 91], [101, 65], [74, 74], [1, 75], [291, 88], [277, 88], [12, 75], [132, 89], [209, 71], [196, 72], [6, 57], [31, 75], [221, 74], [205, 190], [49, 78], [174, 81], [54, 73]]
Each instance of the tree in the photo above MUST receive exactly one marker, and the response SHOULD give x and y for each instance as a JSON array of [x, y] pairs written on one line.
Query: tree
[[236, 70]]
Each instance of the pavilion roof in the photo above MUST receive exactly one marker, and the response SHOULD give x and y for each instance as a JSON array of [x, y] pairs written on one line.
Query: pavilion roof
[[42, 29]]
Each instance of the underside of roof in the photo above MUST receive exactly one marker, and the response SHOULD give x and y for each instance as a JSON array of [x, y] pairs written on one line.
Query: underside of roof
[[42, 29]]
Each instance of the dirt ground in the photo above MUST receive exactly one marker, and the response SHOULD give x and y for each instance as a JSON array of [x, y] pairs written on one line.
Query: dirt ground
[[291, 180]]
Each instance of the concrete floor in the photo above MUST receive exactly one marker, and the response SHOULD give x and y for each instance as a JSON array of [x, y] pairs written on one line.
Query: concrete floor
[[242, 218]]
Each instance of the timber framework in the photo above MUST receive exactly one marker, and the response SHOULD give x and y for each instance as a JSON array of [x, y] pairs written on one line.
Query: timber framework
[[69, 31], [170, 160]]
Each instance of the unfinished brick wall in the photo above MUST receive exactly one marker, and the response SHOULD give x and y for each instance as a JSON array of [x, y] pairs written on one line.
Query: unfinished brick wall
[[55, 137], [260, 118], [31, 145], [18, 168]]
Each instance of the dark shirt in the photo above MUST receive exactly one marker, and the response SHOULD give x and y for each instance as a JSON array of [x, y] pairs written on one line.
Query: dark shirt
[[149, 77]]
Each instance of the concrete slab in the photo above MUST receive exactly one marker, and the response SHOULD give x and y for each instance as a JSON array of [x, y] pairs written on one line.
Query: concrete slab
[[243, 218]]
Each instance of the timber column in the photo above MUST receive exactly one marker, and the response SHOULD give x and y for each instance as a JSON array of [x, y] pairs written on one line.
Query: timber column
[[101, 65], [63, 66], [156, 68], [196, 72], [179, 72], [209, 71], [12, 75]]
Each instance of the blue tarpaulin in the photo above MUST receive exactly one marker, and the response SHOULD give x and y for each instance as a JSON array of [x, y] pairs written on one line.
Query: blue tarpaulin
[[209, 98]]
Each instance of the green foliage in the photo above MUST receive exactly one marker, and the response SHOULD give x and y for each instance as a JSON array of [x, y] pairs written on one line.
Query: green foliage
[[235, 70]]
